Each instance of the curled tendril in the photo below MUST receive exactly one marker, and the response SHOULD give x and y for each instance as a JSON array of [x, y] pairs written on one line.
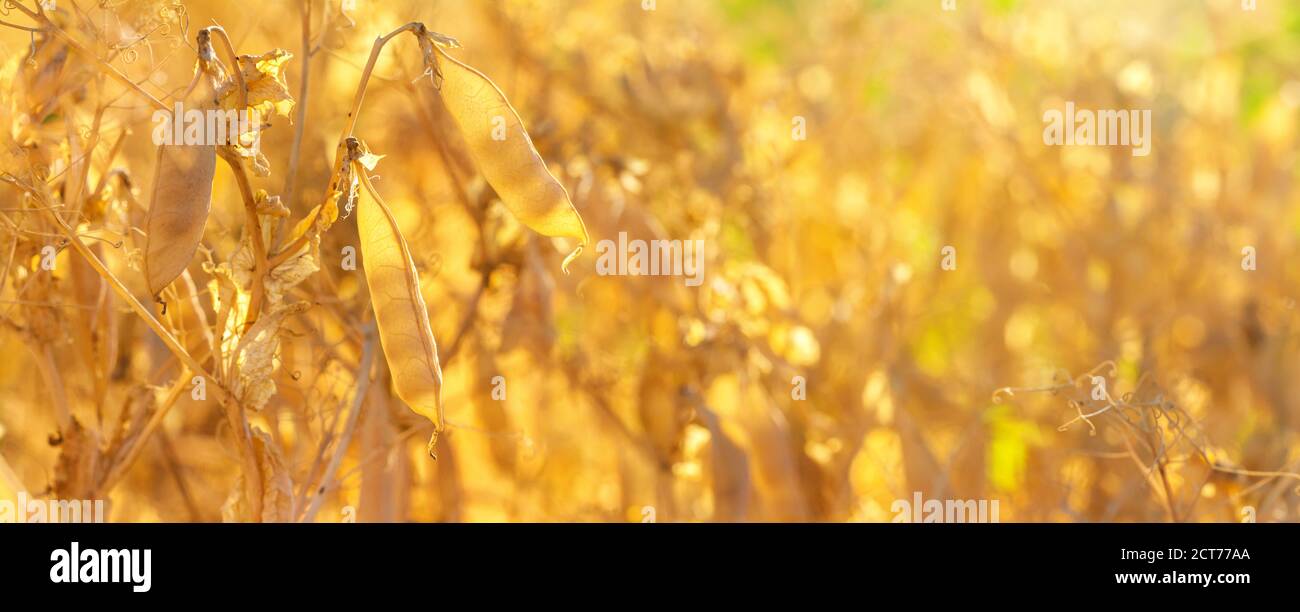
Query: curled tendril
[[1078, 408], [117, 244], [1004, 393], [170, 13], [1114, 370], [1164, 424]]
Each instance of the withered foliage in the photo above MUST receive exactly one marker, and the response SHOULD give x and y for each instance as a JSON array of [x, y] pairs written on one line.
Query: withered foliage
[[378, 302]]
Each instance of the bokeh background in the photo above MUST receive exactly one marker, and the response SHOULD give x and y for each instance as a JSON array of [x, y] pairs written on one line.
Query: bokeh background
[[632, 398]]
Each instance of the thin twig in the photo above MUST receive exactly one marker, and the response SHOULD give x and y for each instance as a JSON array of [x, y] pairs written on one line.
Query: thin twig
[[174, 466], [342, 153], [295, 154], [341, 447], [167, 338], [128, 457], [253, 229]]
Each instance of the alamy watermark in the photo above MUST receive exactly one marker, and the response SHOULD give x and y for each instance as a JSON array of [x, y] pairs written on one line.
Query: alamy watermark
[[653, 258], [180, 126], [90, 565], [1098, 128], [28, 509], [919, 510]]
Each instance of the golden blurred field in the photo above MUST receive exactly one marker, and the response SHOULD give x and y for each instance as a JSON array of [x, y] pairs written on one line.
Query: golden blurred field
[[887, 243]]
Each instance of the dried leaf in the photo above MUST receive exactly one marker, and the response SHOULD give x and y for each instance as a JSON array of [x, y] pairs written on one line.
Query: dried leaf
[[496, 139], [400, 312], [255, 382], [287, 275], [268, 93], [131, 422], [321, 217], [369, 160], [277, 488], [178, 210], [443, 40], [78, 469], [270, 205]]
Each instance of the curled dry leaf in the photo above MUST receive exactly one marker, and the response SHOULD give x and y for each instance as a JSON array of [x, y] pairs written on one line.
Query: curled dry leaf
[[265, 94], [277, 501], [268, 92], [496, 139], [400, 312], [254, 383], [78, 469], [319, 219], [326, 214], [287, 275], [178, 210]]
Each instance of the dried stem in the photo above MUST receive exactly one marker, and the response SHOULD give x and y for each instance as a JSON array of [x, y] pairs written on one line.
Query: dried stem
[[54, 381], [1155, 420], [173, 462], [253, 227], [199, 313], [248, 455], [234, 411], [129, 456], [167, 338], [295, 154], [341, 153], [232, 58], [18, 27], [358, 399]]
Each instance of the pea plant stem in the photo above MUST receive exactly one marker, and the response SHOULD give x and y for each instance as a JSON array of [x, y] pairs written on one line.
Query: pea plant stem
[[341, 447], [300, 122], [341, 156]]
